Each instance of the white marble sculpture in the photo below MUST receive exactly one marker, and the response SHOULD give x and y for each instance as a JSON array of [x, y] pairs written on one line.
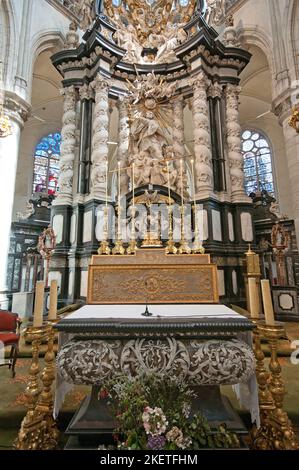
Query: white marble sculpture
[[173, 36], [127, 39], [215, 12]]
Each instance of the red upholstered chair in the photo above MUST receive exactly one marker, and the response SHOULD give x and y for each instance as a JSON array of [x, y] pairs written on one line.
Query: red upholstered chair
[[10, 335]]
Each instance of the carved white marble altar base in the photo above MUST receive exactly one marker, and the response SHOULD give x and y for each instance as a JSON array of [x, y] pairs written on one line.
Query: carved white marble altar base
[[91, 362]]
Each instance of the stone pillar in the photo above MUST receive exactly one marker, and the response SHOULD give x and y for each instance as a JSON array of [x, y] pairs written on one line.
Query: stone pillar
[[86, 95], [235, 158], [291, 139], [100, 137], [123, 146], [202, 140], [68, 145], [16, 109]]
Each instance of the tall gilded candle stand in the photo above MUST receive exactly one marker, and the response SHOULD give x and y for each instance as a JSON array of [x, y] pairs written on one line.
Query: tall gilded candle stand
[[119, 246], [261, 438], [104, 246], [184, 248], [171, 249], [33, 426], [282, 429], [45, 402]]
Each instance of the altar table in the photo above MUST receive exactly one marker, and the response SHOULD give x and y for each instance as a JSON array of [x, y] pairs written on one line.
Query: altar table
[[206, 345]]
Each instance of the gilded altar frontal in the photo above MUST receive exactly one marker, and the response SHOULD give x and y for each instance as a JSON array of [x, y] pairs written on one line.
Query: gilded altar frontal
[[149, 229]]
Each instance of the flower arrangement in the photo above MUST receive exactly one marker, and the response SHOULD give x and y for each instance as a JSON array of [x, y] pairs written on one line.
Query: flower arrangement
[[154, 413]]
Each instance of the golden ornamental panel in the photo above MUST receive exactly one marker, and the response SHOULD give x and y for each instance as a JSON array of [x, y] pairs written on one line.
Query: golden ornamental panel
[[155, 284]]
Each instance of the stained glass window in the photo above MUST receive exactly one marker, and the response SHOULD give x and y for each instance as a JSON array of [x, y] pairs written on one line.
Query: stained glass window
[[46, 164], [257, 162]]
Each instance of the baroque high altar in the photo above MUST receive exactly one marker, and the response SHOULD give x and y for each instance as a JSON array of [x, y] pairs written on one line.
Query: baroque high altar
[[151, 99]]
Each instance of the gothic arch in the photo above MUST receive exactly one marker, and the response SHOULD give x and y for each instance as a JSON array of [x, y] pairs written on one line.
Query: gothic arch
[[41, 42], [257, 37], [8, 40], [289, 24]]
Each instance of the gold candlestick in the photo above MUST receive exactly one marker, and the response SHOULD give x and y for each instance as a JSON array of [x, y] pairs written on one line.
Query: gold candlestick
[[33, 426], [170, 247], [282, 433], [45, 401], [119, 247], [261, 437]]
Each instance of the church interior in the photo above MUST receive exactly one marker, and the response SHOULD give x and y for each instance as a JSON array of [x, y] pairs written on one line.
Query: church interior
[[149, 211]]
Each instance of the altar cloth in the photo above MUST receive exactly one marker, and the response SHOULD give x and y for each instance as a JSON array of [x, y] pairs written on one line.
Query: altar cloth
[[134, 311]]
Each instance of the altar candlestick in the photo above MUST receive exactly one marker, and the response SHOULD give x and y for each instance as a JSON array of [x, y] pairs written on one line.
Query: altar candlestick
[[253, 298], [39, 304], [168, 177], [267, 302], [106, 183], [53, 300]]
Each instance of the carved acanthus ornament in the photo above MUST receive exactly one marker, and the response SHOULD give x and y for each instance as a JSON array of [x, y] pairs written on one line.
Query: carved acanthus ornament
[[202, 139], [215, 90], [86, 92], [100, 136], [68, 144], [235, 157], [212, 362]]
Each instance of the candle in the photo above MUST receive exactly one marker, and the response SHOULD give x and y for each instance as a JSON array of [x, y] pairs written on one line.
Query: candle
[[39, 304], [267, 302], [182, 186], [53, 300], [168, 177], [194, 198], [253, 298], [106, 183], [133, 182], [118, 228]]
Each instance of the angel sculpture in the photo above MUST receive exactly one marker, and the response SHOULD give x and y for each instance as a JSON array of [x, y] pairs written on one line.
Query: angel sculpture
[[127, 39]]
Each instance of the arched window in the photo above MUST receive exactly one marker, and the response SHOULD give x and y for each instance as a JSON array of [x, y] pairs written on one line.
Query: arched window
[[257, 162], [46, 164]]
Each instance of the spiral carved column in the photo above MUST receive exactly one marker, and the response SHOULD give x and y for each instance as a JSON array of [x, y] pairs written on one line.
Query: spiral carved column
[[68, 144], [235, 157], [202, 140], [100, 137]]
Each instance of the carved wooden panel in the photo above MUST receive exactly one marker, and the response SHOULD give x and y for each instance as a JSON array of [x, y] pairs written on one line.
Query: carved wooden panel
[[138, 284]]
